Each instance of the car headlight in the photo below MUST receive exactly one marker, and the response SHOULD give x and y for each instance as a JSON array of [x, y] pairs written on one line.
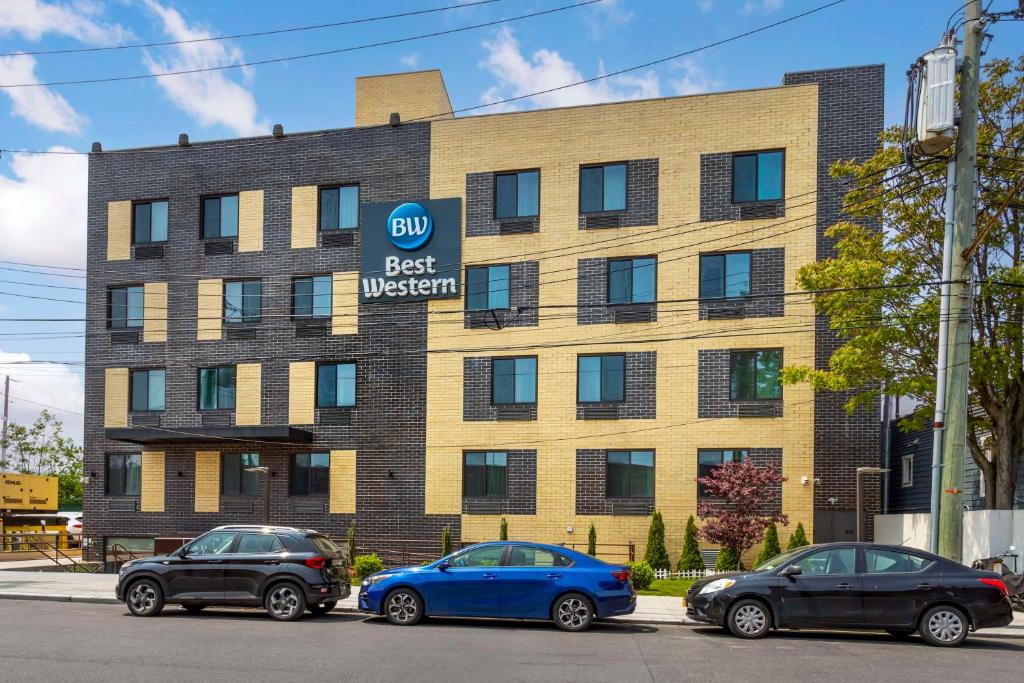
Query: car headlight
[[376, 578], [717, 585]]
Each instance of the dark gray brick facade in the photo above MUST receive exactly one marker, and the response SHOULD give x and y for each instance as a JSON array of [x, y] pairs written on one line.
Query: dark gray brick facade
[[523, 299], [592, 307], [713, 370], [480, 220], [592, 492], [850, 118], [521, 498], [476, 395], [641, 394], [762, 457], [716, 193], [767, 277], [641, 197]]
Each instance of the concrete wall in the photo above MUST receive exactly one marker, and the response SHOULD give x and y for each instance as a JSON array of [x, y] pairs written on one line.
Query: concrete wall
[[986, 532]]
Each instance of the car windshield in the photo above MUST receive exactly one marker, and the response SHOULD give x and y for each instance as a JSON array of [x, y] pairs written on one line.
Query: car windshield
[[778, 560]]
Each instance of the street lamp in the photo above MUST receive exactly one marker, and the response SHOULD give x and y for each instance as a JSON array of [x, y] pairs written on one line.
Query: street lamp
[[860, 503], [265, 471]]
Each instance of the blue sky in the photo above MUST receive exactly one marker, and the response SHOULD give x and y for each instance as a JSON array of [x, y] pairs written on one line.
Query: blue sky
[[42, 197]]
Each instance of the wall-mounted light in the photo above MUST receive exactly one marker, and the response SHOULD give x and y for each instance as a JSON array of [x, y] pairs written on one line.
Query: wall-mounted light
[[391, 474], [804, 480]]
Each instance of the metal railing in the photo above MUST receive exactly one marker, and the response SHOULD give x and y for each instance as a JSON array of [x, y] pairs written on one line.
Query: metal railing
[[406, 551], [40, 544]]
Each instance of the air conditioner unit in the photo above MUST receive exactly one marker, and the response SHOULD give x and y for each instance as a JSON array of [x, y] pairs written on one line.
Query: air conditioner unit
[[935, 100]]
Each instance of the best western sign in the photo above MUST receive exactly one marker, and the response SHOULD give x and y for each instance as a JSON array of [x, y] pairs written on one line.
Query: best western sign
[[411, 251]]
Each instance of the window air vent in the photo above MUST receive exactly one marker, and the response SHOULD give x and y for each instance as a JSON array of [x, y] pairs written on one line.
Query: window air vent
[[149, 251], [219, 247], [607, 220], [336, 416], [237, 505], [145, 420], [514, 412], [122, 505], [600, 412], [315, 327], [766, 409], [310, 505], [233, 332], [635, 509], [337, 238], [124, 337], [635, 313], [517, 227], [483, 507], [761, 210], [220, 418], [724, 310]]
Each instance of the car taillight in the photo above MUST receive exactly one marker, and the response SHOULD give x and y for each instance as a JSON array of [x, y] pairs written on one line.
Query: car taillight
[[996, 583], [621, 575], [315, 562]]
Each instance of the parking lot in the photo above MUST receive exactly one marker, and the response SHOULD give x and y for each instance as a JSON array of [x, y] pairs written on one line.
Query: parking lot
[[87, 642]]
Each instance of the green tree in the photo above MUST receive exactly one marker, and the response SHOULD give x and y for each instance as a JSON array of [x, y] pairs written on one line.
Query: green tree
[[798, 539], [446, 541], [351, 537], [770, 548], [656, 555], [890, 333], [728, 560], [690, 559], [503, 530], [592, 541], [42, 448]]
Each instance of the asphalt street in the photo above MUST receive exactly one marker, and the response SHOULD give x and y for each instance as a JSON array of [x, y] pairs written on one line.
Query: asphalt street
[[52, 641]]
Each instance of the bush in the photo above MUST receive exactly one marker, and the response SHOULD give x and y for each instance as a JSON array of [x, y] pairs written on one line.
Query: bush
[[446, 541], [367, 564], [592, 541], [798, 539], [503, 531], [690, 560], [656, 555], [770, 548], [643, 575], [728, 560], [351, 536]]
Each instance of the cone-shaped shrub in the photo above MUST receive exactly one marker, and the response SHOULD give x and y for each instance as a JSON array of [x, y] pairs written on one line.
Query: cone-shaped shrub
[[799, 538], [592, 541], [770, 548], [690, 560], [656, 554]]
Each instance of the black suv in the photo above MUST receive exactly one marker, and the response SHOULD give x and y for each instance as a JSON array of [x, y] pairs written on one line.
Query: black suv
[[285, 570]]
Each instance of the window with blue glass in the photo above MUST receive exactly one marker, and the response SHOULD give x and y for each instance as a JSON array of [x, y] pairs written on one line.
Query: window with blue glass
[[147, 389], [149, 222], [339, 207], [710, 460], [220, 216], [311, 296], [603, 188], [631, 280], [514, 380], [124, 474], [629, 474], [125, 307], [236, 475], [757, 177], [310, 474], [725, 275], [336, 385], [487, 287], [601, 378], [755, 375], [485, 474], [242, 301], [517, 195], [217, 388]]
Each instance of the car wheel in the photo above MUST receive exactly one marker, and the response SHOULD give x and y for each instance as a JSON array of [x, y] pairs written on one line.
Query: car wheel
[[193, 609], [573, 612], [944, 626], [323, 607], [285, 602], [145, 598], [403, 607], [898, 634], [748, 619]]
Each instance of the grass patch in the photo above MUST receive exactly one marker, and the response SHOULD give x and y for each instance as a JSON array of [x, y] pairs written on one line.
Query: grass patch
[[670, 587]]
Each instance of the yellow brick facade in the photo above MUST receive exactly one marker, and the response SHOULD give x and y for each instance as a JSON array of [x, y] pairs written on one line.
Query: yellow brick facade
[[301, 392], [119, 231], [250, 220], [154, 326], [248, 391], [115, 397], [345, 303], [304, 213], [153, 473], [207, 494], [414, 96], [343, 482], [675, 131], [210, 309]]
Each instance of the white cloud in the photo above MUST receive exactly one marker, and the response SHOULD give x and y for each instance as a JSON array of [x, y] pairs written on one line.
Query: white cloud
[[51, 384], [766, 6], [519, 75], [706, 5], [411, 60], [605, 17], [43, 208], [79, 20], [694, 78], [39, 106], [210, 97]]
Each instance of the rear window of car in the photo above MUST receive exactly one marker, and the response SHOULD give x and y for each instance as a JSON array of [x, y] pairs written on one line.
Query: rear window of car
[[893, 562], [259, 543], [325, 545]]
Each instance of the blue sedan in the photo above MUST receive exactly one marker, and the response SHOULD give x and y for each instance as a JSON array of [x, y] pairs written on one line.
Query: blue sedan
[[511, 580]]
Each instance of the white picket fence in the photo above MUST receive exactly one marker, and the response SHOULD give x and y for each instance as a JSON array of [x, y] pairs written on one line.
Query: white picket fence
[[689, 574]]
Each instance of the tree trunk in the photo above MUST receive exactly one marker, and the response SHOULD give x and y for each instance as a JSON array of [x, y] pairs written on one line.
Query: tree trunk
[[1006, 446]]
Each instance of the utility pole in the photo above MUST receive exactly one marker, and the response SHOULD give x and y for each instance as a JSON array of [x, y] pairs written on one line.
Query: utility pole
[[954, 436], [7, 400]]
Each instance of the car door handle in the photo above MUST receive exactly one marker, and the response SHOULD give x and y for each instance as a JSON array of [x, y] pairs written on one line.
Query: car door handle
[[924, 585], [844, 585], [490, 576], [214, 561], [554, 576], [271, 561]]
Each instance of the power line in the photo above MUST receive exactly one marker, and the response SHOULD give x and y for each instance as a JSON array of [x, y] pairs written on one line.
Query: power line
[[44, 405]]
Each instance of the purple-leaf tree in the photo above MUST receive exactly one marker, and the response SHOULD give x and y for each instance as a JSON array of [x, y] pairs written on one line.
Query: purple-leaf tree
[[740, 509]]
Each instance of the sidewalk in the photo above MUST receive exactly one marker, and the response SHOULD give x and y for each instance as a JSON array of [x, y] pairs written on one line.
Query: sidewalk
[[99, 588]]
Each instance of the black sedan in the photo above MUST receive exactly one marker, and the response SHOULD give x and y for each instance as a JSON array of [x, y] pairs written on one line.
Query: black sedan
[[854, 586]]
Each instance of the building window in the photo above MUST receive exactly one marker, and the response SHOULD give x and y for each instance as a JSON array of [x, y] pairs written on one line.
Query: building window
[[234, 479], [517, 195], [631, 280], [601, 378], [754, 375], [147, 390], [220, 216], [603, 188], [907, 470], [339, 207], [630, 474], [724, 276], [513, 380], [757, 177], [311, 296], [336, 385], [217, 388], [242, 301], [487, 287], [125, 307], [485, 474], [149, 222], [710, 460], [311, 474], [124, 474]]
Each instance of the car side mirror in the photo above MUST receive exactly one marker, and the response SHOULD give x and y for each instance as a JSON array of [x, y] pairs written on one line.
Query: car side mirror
[[443, 566], [791, 571]]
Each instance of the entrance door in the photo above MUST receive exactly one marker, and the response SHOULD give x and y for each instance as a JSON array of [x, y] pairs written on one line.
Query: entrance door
[[835, 526]]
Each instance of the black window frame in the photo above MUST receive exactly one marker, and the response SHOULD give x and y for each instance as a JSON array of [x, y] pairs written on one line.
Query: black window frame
[[701, 491], [110, 307], [602, 166], [319, 206], [292, 478], [312, 278], [202, 216], [241, 472], [732, 367], [258, 318], [488, 267], [355, 384], [757, 161], [724, 255], [625, 372], [149, 203], [131, 390], [486, 494], [199, 389], [107, 478], [630, 494], [514, 359], [632, 270], [516, 174]]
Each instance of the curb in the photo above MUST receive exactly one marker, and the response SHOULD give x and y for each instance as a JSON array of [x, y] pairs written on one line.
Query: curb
[[94, 599]]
